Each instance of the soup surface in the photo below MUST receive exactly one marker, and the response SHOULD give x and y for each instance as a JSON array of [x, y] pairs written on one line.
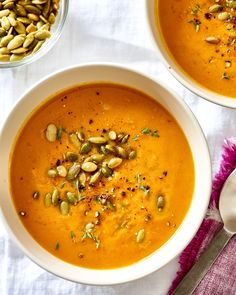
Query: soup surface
[[101, 175], [201, 36]]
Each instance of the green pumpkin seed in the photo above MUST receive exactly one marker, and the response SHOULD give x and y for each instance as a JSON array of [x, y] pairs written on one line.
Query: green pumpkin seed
[[82, 178], [5, 23], [55, 197], [2, 32], [32, 9], [42, 35], [212, 40], [19, 50], [110, 149], [37, 46], [132, 155], [16, 57], [106, 171], [112, 135], [73, 171], [4, 12], [23, 20], [140, 236], [125, 138], [12, 21], [72, 198], [36, 195], [64, 208], [4, 57], [52, 173], [81, 136], [62, 171], [95, 177], [120, 136], [114, 162], [20, 10], [28, 40], [160, 202], [223, 16], [74, 140], [215, 8], [72, 157], [231, 4], [97, 158], [51, 132], [5, 40], [85, 148], [19, 27], [97, 140], [48, 200], [16, 42], [46, 8], [33, 16], [52, 18], [89, 167], [103, 150], [121, 152]]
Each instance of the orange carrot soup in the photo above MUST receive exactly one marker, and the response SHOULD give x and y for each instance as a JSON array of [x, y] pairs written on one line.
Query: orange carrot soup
[[101, 175], [201, 37]]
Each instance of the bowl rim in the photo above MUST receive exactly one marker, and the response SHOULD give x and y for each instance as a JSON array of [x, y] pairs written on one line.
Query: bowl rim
[[175, 69], [178, 249], [49, 44]]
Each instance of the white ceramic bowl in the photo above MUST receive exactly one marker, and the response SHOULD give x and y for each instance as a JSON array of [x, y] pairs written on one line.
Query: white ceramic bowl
[[174, 68], [94, 73]]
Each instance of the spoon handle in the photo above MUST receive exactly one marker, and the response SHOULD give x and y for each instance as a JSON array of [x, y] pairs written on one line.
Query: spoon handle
[[200, 268]]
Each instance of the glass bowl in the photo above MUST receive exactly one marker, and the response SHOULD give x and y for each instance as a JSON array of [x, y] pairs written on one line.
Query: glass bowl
[[56, 31]]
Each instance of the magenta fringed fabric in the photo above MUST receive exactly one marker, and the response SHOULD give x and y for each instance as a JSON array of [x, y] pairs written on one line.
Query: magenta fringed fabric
[[221, 278]]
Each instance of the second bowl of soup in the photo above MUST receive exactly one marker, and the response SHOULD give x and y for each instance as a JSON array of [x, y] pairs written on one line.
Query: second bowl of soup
[[197, 42]]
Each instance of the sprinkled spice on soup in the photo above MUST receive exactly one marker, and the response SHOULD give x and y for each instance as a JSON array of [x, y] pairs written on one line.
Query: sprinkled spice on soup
[[201, 37], [101, 175]]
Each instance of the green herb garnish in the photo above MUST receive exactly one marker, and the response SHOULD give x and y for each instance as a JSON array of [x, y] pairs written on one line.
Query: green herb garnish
[[146, 131]]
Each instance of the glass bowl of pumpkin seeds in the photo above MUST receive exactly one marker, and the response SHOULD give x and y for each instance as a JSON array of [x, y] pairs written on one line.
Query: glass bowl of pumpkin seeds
[[29, 29]]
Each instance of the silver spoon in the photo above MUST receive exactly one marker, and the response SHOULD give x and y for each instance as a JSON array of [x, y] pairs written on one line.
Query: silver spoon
[[227, 208]]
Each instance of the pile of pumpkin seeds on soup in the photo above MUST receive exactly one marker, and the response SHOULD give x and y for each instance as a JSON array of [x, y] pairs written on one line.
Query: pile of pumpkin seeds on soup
[[24, 26]]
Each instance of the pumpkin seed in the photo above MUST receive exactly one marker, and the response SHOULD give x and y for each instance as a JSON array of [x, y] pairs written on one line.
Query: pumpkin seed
[[223, 16], [215, 8], [160, 202], [61, 171], [23, 20], [97, 158], [121, 152], [125, 138], [4, 50], [81, 136], [48, 200], [32, 9], [37, 46], [95, 177], [20, 10], [28, 40], [31, 28], [231, 4], [103, 150], [4, 12], [42, 35], [19, 27], [140, 236], [16, 57], [52, 173], [89, 167], [51, 132], [132, 155], [19, 50], [97, 140], [12, 21], [64, 208], [55, 197], [2, 32], [73, 171], [5, 23], [120, 136], [36, 195], [110, 148], [114, 162], [71, 197], [212, 40], [85, 148], [106, 171], [72, 157], [74, 140], [112, 135], [52, 18], [5, 40], [33, 16], [82, 178]]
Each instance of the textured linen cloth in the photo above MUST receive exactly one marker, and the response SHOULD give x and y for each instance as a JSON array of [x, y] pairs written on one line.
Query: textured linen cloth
[[221, 277], [105, 31]]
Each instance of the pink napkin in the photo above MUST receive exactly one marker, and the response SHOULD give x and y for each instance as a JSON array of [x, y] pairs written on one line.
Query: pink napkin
[[221, 278]]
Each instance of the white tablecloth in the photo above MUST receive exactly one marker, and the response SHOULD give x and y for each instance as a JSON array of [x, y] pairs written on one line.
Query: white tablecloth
[[110, 31]]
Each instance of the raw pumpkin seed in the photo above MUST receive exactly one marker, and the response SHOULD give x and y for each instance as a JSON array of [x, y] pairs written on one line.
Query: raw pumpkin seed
[[85, 148], [42, 35], [106, 171], [5, 40], [73, 171], [71, 197], [89, 167], [4, 57], [55, 197], [51, 132], [114, 162], [52, 173], [97, 158], [15, 42], [61, 171], [28, 40], [48, 200], [140, 236], [16, 57], [95, 177], [82, 178], [72, 157], [64, 208], [160, 202], [121, 152]]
